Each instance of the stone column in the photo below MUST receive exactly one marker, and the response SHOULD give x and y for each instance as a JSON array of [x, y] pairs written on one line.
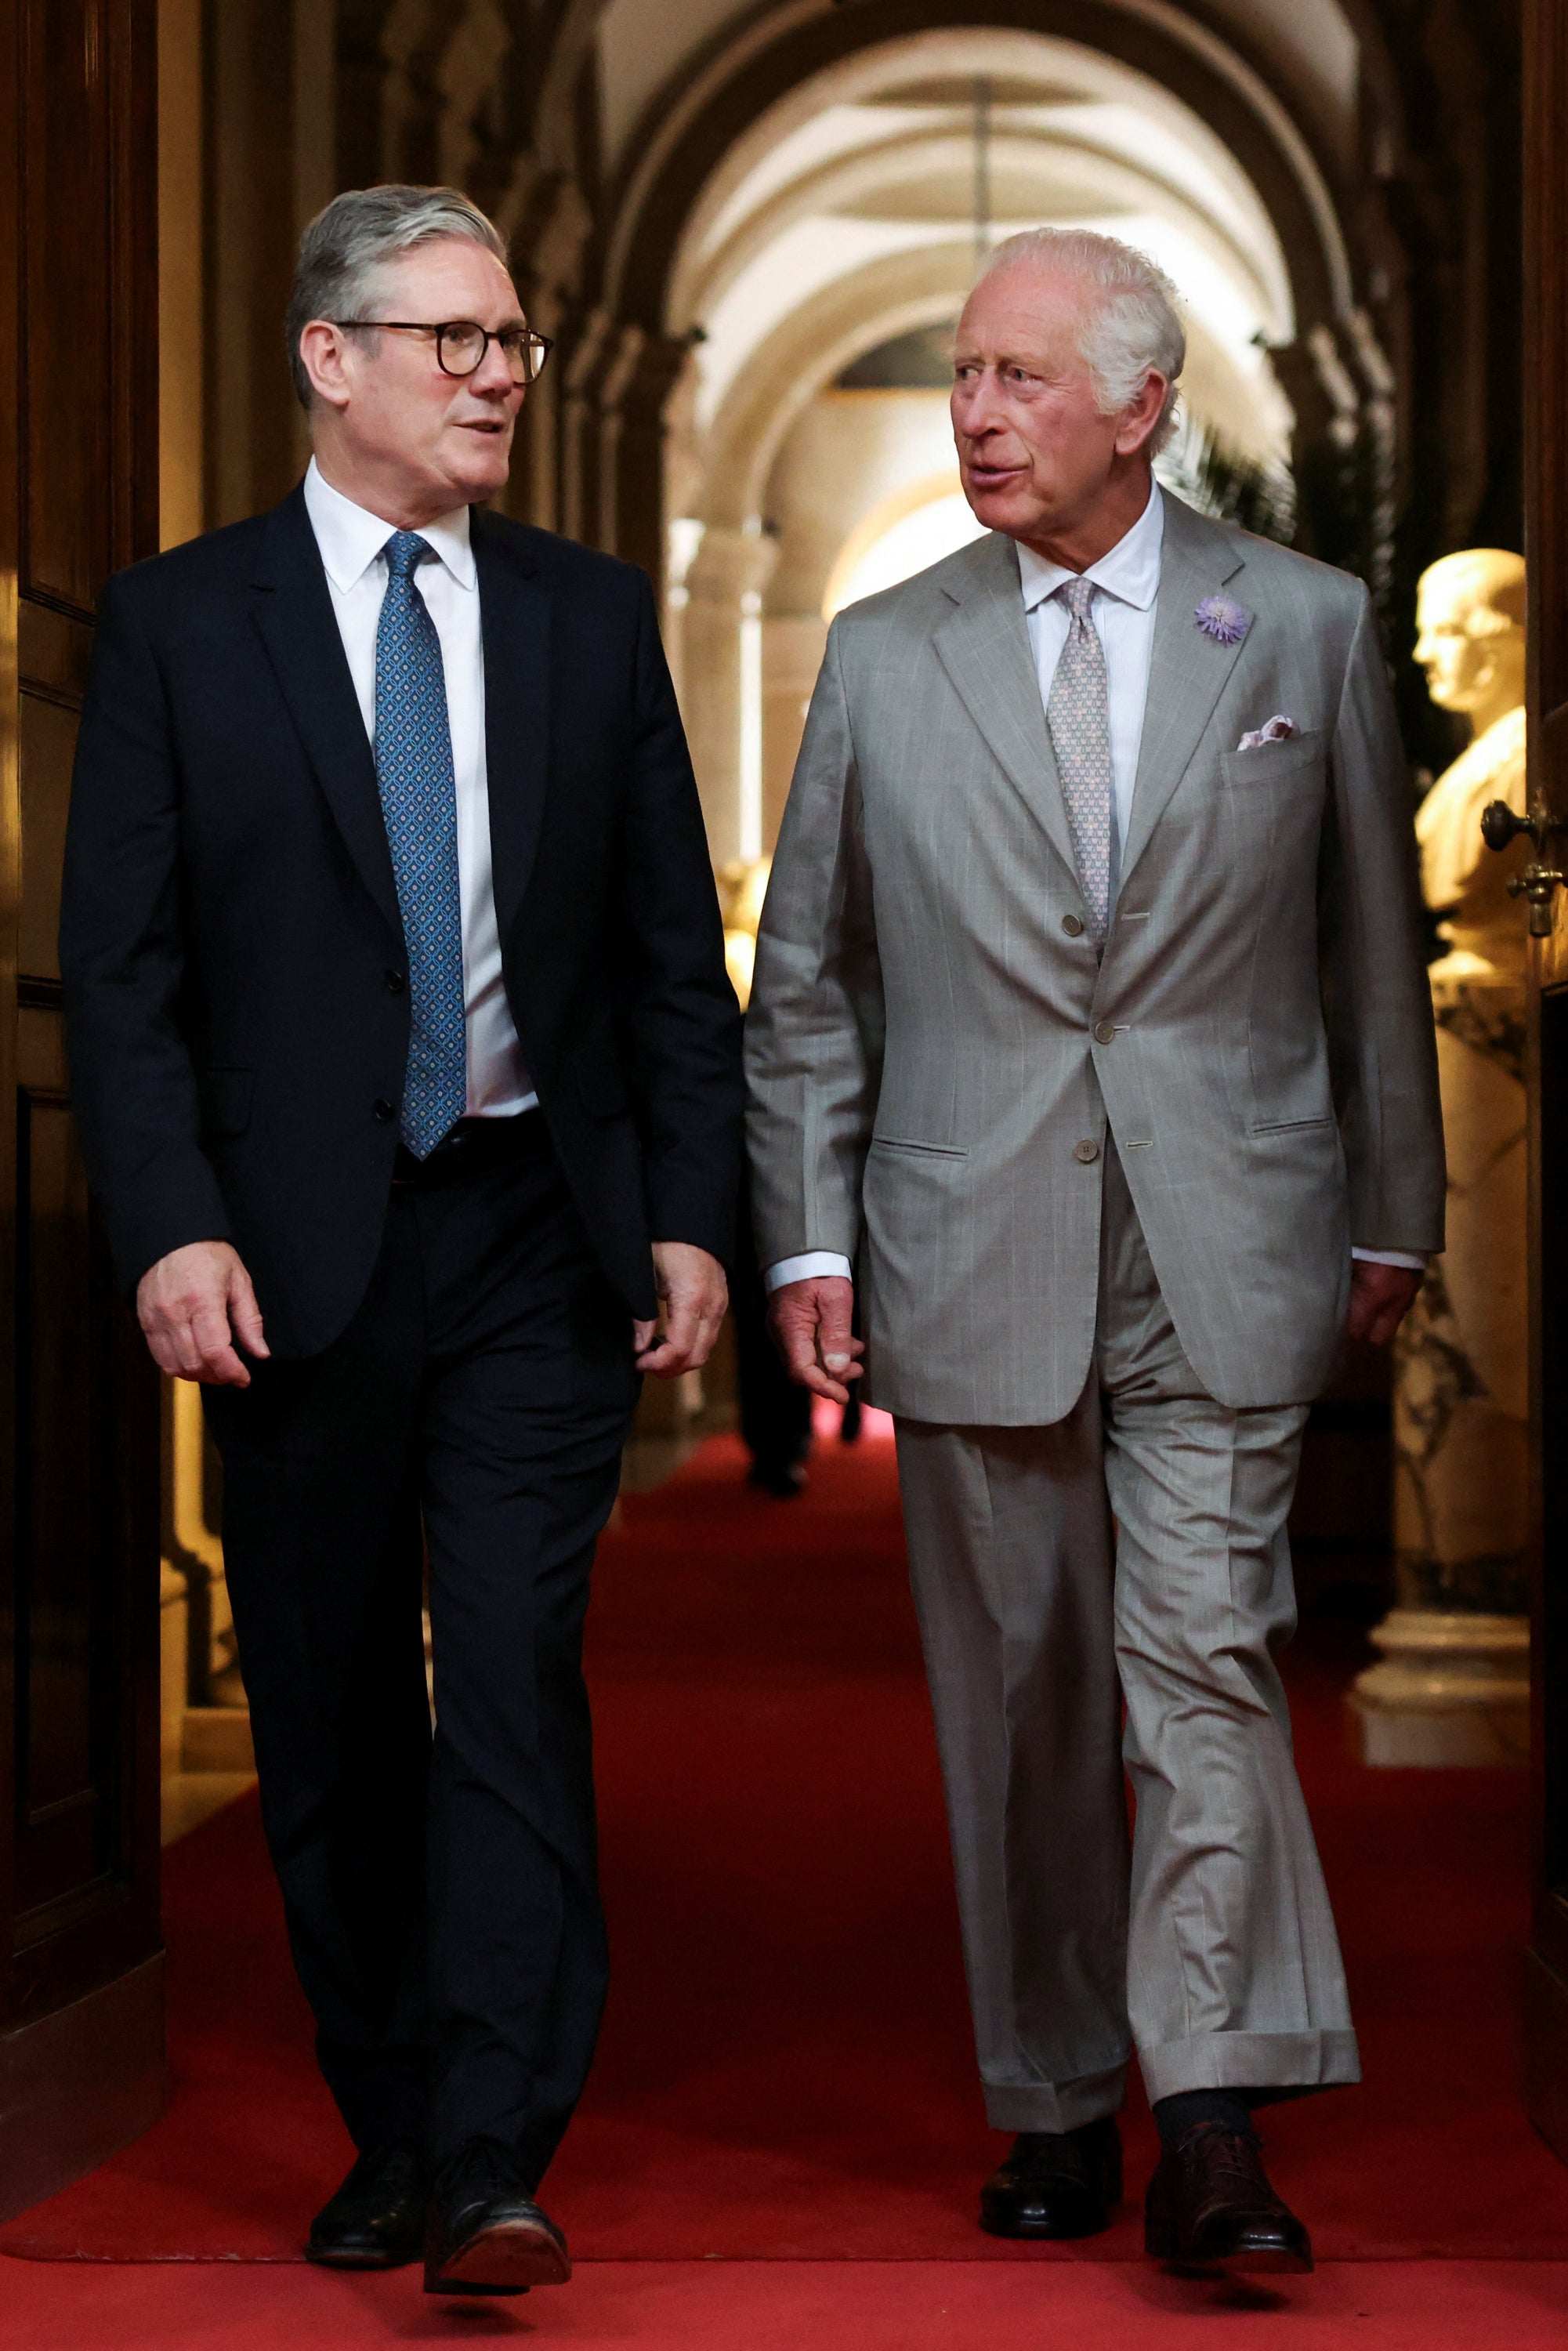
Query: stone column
[[723, 588]]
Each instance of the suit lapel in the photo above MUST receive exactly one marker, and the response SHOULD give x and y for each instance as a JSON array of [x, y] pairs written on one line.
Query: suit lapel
[[515, 615], [292, 609], [984, 647], [1189, 669]]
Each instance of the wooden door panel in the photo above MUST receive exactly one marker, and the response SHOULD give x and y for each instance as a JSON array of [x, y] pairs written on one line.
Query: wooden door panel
[[66, 1705], [68, 205], [78, 1442], [46, 732]]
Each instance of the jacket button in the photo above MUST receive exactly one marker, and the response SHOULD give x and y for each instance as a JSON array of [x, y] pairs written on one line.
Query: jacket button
[[1073, 925], [1105, 1032], [394, 981], [382, 1110], [1086, 1153]]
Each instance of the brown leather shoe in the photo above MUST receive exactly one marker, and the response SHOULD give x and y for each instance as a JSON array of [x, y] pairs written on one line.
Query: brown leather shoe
[[485, 2234], [1056, 2183], [1210, 2206]]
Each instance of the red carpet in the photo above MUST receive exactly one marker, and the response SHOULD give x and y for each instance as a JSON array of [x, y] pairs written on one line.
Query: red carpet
[[786, 2071], [799, 2306]]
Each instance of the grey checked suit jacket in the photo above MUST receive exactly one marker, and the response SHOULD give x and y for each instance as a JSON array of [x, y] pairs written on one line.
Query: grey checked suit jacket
[[933, 1048]]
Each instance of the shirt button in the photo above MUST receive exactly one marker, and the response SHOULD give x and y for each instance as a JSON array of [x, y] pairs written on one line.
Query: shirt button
[[1086, 1152], [1073, 925], [393, 982], [382, 1110], [1105, 1031]]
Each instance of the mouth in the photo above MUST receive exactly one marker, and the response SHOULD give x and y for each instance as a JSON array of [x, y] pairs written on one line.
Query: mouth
[[993, 477], [481, 425]]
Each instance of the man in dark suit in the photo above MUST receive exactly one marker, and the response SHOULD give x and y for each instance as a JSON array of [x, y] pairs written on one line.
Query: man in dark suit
[[408, 1078]]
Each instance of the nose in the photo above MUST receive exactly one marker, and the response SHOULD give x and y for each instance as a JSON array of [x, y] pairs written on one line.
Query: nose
[[975, 406], [493, 375]]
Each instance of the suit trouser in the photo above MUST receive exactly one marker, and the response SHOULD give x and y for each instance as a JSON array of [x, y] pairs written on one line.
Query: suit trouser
[[440, 1896], [1210, 1945]]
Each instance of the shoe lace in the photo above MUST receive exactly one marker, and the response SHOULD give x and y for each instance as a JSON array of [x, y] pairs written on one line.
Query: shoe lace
[[480, 2171], [1239, 2154]]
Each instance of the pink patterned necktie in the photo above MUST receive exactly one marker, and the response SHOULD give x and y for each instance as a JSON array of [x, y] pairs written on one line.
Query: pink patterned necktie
[[1079, 716]]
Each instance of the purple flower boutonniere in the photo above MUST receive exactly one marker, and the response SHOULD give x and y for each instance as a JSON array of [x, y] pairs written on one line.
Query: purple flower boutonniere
[[1218, 618]]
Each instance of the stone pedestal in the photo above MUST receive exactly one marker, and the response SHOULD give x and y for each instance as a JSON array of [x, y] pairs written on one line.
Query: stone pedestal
[[1452, 1685]]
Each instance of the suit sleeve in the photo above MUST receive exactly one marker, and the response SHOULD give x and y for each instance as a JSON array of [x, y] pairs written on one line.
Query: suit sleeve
[[1376, 1001], [133, 1084], [816, 1023], [678, 1011]]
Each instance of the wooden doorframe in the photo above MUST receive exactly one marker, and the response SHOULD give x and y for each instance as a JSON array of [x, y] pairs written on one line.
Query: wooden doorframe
[[1545, 227], [81, 2027]]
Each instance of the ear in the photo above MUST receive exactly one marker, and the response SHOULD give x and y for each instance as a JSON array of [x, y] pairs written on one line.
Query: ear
[[1141, 414], [326, 356]]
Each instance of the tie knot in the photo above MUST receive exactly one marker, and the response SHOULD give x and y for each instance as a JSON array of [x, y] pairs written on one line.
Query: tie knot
[[1078, 595], [403, 550]]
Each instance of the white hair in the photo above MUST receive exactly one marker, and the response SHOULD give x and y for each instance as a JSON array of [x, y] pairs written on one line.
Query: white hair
[[1130, 330]]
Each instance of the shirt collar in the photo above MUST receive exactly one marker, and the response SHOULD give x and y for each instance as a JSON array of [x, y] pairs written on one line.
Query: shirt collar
[[1129, 571], [351, 538]]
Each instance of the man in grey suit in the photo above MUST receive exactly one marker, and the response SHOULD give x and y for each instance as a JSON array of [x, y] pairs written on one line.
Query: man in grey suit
[[1089, 1033]]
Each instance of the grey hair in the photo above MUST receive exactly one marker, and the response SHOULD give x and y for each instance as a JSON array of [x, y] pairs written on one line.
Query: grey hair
[[1132, 330], [348, 240]]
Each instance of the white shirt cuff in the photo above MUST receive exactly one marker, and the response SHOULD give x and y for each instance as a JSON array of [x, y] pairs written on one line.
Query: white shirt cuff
[[803, 1269], [1392, 1257]]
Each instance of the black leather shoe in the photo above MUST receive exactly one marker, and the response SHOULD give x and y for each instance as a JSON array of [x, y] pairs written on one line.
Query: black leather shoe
[[376, 2219], [783, 1479], [1056, 2183], [485, 2234], [1210, 2206]]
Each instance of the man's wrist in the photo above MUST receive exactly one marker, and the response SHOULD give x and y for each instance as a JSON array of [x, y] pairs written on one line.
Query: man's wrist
[[815, 1265]]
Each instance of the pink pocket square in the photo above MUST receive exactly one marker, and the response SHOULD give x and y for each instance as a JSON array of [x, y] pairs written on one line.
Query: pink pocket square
[[1280, 729]]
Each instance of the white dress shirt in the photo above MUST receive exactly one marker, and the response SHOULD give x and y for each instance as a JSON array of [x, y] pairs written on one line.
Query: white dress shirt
[[1128, 579], [351, 540]]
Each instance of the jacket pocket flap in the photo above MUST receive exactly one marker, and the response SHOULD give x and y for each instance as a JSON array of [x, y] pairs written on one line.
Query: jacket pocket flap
[[929, 1150]]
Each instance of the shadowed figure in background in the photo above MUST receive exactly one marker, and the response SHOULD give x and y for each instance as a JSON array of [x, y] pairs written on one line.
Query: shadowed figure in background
[[408, 1077]]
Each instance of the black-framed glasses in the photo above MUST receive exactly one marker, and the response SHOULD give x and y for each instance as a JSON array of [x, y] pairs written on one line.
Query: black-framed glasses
[[461, 343]]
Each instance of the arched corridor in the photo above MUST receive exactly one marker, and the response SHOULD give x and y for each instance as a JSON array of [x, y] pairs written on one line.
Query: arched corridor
[[749, 227]]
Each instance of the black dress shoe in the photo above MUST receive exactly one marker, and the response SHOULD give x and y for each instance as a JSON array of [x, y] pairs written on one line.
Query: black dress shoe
[[783, 1479], [376, 2219], [1210, 2206], [1056, 2183], [485, 2234]]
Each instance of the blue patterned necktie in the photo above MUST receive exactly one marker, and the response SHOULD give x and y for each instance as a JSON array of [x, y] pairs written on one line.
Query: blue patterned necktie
[[419, 801], [1079, 716]]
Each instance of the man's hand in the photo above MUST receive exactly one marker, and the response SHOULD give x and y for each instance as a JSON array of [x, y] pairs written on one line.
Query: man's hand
[[1380, 1298], [692, 1297], [811, 1325], [195, 1306]]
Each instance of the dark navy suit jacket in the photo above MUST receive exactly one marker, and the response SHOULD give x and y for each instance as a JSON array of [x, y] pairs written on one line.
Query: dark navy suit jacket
[[234, 961]]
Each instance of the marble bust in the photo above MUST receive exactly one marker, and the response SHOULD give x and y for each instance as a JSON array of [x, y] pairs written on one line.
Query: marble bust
[[1470, 642], [1452, 1684]]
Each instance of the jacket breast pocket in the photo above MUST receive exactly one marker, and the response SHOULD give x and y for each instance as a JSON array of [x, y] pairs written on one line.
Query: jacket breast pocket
[[1273, 763], [225, 1097]]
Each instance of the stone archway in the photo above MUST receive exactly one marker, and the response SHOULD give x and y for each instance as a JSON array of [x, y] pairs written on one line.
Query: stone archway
[[835, 221]]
